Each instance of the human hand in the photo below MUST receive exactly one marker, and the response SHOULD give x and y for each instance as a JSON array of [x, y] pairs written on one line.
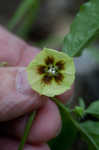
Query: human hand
[[17, 99]]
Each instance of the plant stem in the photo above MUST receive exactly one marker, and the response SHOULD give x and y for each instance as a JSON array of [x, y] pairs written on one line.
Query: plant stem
[[27, 129], [24, 16], [68, 114], [76, 124]]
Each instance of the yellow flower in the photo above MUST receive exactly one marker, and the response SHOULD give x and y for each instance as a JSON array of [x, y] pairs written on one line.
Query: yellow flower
[[51, 72]]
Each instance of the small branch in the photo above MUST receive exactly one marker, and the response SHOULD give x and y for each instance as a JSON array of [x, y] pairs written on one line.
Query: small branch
[[76, 124], [27, 129]]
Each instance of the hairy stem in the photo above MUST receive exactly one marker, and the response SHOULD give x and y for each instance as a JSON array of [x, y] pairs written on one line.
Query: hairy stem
[[76, 124]]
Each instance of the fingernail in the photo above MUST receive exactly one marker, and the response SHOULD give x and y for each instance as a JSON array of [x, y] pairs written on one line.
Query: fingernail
[[22, 84]]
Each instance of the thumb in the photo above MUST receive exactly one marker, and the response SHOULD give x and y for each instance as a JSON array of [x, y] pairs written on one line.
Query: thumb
[[16, 96]]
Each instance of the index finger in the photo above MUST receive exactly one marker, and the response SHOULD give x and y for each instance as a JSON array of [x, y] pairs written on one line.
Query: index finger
[[18, 53]]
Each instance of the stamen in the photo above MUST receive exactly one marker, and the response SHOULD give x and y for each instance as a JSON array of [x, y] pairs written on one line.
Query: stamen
[[52, 70]]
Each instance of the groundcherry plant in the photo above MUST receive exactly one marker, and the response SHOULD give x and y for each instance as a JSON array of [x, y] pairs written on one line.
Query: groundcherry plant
[[52, 73]]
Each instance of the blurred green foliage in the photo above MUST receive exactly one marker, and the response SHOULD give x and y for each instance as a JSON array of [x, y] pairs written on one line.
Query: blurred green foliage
[[24, 17]]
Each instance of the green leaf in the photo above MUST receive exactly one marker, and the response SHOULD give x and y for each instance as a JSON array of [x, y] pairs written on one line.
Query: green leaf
[[83, 29], [78, 126], [93, 130], [67, 136], [93, 109], [81, 103]]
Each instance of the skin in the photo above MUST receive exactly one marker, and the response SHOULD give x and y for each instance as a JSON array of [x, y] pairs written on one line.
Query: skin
[[17, 99]]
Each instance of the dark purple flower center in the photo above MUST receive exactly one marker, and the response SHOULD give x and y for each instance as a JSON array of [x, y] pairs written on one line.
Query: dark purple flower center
[[51, 70]]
